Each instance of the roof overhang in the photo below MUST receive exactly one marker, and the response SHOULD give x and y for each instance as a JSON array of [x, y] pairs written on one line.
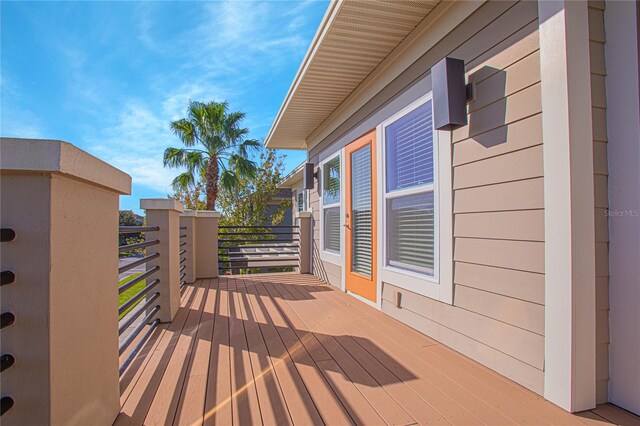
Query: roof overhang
[[293, 177], [354, 37]]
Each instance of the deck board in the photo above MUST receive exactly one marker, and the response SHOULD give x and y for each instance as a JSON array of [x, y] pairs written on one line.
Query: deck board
[[289, 349]]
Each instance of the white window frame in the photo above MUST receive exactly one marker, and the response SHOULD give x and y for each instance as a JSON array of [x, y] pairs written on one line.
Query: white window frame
[[329, 255], [440, 285]]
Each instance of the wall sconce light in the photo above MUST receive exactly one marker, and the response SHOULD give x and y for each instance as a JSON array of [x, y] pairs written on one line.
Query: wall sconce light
[[450, 94], [308, 176]]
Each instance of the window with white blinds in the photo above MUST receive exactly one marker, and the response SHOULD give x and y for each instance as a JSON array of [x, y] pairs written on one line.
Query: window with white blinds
[[302, 201], [409, 149], [331, 229], [361, 235], [409, 192]]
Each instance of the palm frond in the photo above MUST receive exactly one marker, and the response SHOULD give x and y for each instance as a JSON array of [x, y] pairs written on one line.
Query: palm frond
[[185, 130], [183, 181], [228, 179], [243, 166], [174, 157], [248, 145]]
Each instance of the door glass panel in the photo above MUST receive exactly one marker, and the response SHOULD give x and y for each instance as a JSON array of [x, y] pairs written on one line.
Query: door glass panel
[[361, 234]]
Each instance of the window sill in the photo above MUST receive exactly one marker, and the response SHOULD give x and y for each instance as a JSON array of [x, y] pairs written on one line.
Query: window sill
[[331, 257], [411, 281]]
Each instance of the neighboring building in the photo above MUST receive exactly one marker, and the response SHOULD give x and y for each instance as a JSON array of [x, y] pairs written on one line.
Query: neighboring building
[[294, 182], [497, 237], [283, 194]]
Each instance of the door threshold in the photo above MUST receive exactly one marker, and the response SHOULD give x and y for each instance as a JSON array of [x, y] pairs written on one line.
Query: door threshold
[[363, 299]]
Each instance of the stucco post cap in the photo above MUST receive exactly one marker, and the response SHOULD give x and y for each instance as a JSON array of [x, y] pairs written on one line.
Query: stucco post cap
[[60, 157], [304, 214], [208, 213], [161, 204], [188, 213]]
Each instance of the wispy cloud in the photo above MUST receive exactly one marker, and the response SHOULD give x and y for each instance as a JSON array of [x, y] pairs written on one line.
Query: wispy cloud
[[135, 144], [216, 51], [16, 119]]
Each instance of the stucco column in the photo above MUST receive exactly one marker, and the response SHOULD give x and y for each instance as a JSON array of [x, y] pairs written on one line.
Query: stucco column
[[207, 243], [165, 214], [62, 204], [569, 222], [188, 221], [306, 235]]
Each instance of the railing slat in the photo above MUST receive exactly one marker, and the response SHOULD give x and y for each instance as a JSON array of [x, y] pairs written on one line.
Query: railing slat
[[126, 305], [257, 255], [258, 233], [8, 277], [263, 259], [258, 246], [7, 234], [139, 346], [136, 280], [258, 240], [137, 263], [6, 361], [136, 246], [259, 227], [131, 337], [230, 268], [6, 319], [137, 229], [5, 404], [132, 316]]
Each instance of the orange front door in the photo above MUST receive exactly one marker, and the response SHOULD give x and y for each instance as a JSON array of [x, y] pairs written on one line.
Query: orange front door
[[360, 223]]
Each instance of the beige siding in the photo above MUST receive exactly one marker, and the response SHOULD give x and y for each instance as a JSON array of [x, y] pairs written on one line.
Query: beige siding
[[498, 312], [598, 103], [498, 205]]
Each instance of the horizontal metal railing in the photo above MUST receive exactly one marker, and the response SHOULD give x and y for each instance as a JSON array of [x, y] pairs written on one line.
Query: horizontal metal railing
[[136, 229], [261, 248], [148, 309], [7, 235]]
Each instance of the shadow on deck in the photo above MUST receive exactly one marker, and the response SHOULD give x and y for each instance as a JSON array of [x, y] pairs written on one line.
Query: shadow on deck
[[289, 349]]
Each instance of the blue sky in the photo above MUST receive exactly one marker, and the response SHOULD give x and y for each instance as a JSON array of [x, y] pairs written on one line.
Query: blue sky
[[110, 76]]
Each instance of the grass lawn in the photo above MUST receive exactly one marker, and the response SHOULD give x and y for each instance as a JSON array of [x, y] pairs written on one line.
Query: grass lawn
[[130, 292]]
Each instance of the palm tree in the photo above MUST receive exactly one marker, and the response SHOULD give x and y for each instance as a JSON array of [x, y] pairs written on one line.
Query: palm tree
[[213, 140]]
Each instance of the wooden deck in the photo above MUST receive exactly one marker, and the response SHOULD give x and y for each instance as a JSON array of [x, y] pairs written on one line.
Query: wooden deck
[[281, 349]]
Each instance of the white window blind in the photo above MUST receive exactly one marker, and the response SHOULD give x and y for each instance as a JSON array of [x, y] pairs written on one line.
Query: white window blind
[[409, 149], [331, 214], [361, 209], [410, 232], [332, 229], [301, 197], [409, 195]]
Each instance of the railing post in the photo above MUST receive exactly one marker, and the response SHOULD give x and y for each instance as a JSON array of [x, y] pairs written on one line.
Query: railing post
[[62, 204], [188, 221], [207, 243], [165, 214], [304, 227]]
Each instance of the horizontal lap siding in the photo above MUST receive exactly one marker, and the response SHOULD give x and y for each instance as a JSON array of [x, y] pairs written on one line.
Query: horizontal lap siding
[[498, 312], [600, 169]]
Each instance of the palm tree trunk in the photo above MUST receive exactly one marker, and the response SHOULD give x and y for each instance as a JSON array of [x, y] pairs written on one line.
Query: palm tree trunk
[[211, 177]]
